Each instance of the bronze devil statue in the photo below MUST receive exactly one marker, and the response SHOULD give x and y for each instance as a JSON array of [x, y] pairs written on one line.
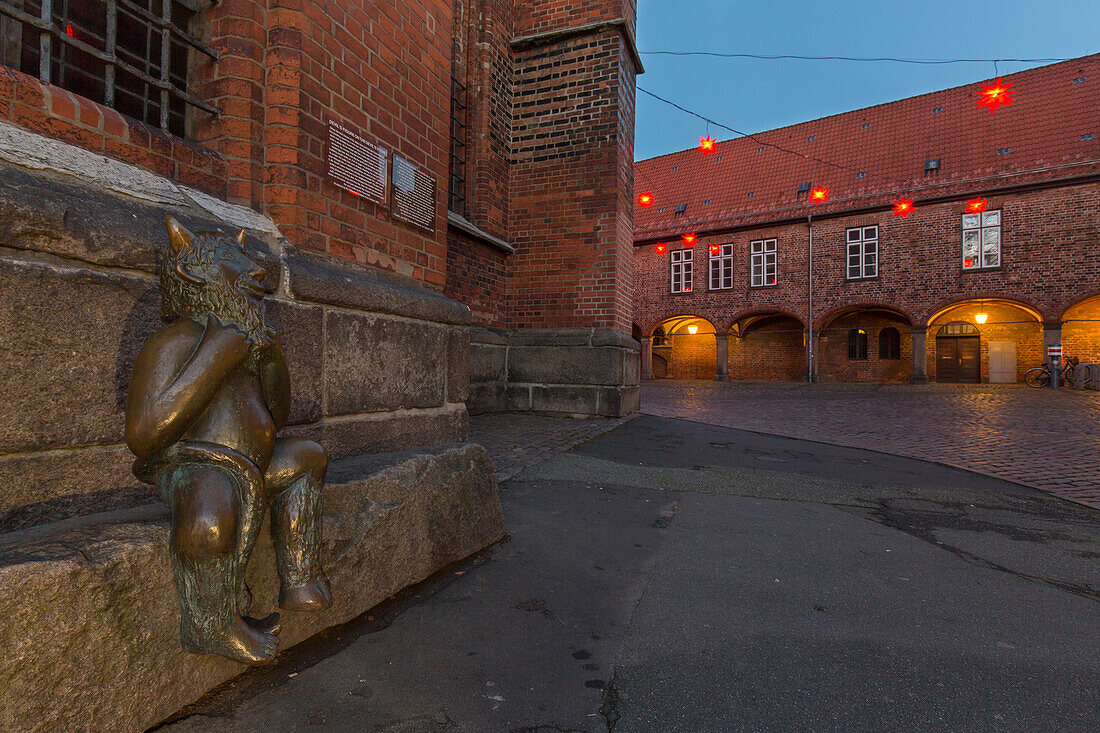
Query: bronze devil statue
[[208, 394]]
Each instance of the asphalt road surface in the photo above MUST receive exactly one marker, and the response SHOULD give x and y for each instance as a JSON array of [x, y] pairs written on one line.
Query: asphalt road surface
[[674, 576]]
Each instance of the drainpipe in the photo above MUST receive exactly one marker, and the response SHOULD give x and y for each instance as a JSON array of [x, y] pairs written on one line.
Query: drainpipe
[[810, 300]]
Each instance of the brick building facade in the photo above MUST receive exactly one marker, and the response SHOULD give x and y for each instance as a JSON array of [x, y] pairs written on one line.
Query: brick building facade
[[942, 293]]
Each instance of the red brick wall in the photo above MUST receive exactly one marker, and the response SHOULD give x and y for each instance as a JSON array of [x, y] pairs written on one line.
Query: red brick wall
[[654, 303], [540, 16], [51, 111], [550, 142], [835, 366], [1048, 242], [691, 356], [774, 352], [477, 275], [571, 184], [1081, 331]]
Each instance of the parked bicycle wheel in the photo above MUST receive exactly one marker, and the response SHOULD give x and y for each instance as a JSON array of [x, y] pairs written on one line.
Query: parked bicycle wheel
[[1037, 377]]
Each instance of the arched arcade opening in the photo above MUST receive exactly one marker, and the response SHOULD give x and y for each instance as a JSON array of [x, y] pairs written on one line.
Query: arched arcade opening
[[984, 340], [865, 343], [683, 347], [1081, 331], [767, 347]]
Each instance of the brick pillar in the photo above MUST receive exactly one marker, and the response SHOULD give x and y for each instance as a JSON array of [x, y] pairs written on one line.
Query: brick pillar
[[920, 356], [647, 358], [1052, 336], [722, 342]]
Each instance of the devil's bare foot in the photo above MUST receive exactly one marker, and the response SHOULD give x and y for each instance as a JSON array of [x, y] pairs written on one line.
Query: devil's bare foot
[[239, 642], [313, 595], [269, 623]]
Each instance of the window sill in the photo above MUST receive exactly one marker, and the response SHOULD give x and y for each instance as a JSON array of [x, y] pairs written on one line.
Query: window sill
[[460, 223], [859, 279], [971, 270], [763, 287]]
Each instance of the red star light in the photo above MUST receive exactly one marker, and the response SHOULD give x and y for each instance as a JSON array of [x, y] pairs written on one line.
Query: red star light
[[715, 249], [661, 249], [993, 96], [706, 144], [645, 199], [976, 206], [689, 239], [69, 30], [902, 207], [819, 195]]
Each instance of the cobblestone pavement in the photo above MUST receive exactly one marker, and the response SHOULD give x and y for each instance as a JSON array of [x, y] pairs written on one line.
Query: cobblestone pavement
[[1049, 440], [517, 441]]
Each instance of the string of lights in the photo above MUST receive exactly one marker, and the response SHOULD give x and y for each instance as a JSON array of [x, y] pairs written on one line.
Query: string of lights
[[991, 96], [740, 133], [874, 59]]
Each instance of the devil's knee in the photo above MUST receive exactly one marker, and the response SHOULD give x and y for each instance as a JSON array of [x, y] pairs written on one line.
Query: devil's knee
[[311, 458], [206, 523]]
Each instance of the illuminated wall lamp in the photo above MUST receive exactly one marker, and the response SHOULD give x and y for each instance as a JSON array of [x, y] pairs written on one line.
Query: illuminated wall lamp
[[693, 330], [981, 318]]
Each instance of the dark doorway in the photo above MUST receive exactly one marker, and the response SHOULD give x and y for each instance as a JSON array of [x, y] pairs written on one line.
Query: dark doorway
[[958, 354]]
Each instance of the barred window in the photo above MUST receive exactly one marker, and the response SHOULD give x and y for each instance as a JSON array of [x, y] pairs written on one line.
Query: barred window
[[131, 55], [857, 344], [862, 253], [681, 270], [763, 268], [721, 267], [981, 238]]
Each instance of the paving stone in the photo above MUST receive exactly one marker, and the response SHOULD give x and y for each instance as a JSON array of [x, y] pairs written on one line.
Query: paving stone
[[1046, 439]]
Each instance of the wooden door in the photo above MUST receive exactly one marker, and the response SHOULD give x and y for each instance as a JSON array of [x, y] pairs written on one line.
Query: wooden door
[[959, 359], [947, 360], [970, 359], [1002, 362]]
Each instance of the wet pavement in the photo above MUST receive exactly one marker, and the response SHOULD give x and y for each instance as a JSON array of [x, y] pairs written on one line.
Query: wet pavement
[[675, 576], [1046, 439]]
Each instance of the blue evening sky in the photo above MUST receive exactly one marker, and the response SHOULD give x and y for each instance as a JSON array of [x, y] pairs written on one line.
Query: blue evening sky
[[753, 95]]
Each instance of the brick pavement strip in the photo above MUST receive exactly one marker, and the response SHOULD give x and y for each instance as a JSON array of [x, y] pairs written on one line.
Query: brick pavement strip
[[517, 441], [1045, 439]]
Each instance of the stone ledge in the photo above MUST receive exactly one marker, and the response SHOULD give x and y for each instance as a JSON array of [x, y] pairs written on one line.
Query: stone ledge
[[325, 279], [90, 640]]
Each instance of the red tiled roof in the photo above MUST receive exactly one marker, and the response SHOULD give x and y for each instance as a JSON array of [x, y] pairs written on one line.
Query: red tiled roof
[[1041, 131]]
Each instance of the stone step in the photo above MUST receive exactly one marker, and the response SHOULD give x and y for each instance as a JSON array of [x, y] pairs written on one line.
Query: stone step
[[90, 639]]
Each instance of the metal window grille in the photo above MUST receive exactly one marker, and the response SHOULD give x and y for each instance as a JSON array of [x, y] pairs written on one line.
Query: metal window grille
[[889, 343], [981, 240], [681, 263], [131, 55], [857, 344], [459, 123], [721, 268], [862, 252], [763, 253]]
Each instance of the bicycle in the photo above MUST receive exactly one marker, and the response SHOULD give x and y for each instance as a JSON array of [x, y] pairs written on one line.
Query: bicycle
[[1040, 375]]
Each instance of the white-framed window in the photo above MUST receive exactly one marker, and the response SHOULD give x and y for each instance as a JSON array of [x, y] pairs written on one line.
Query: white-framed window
[[763, 255], [681, 260], [981, 238], [721, 268], [862, 252]]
